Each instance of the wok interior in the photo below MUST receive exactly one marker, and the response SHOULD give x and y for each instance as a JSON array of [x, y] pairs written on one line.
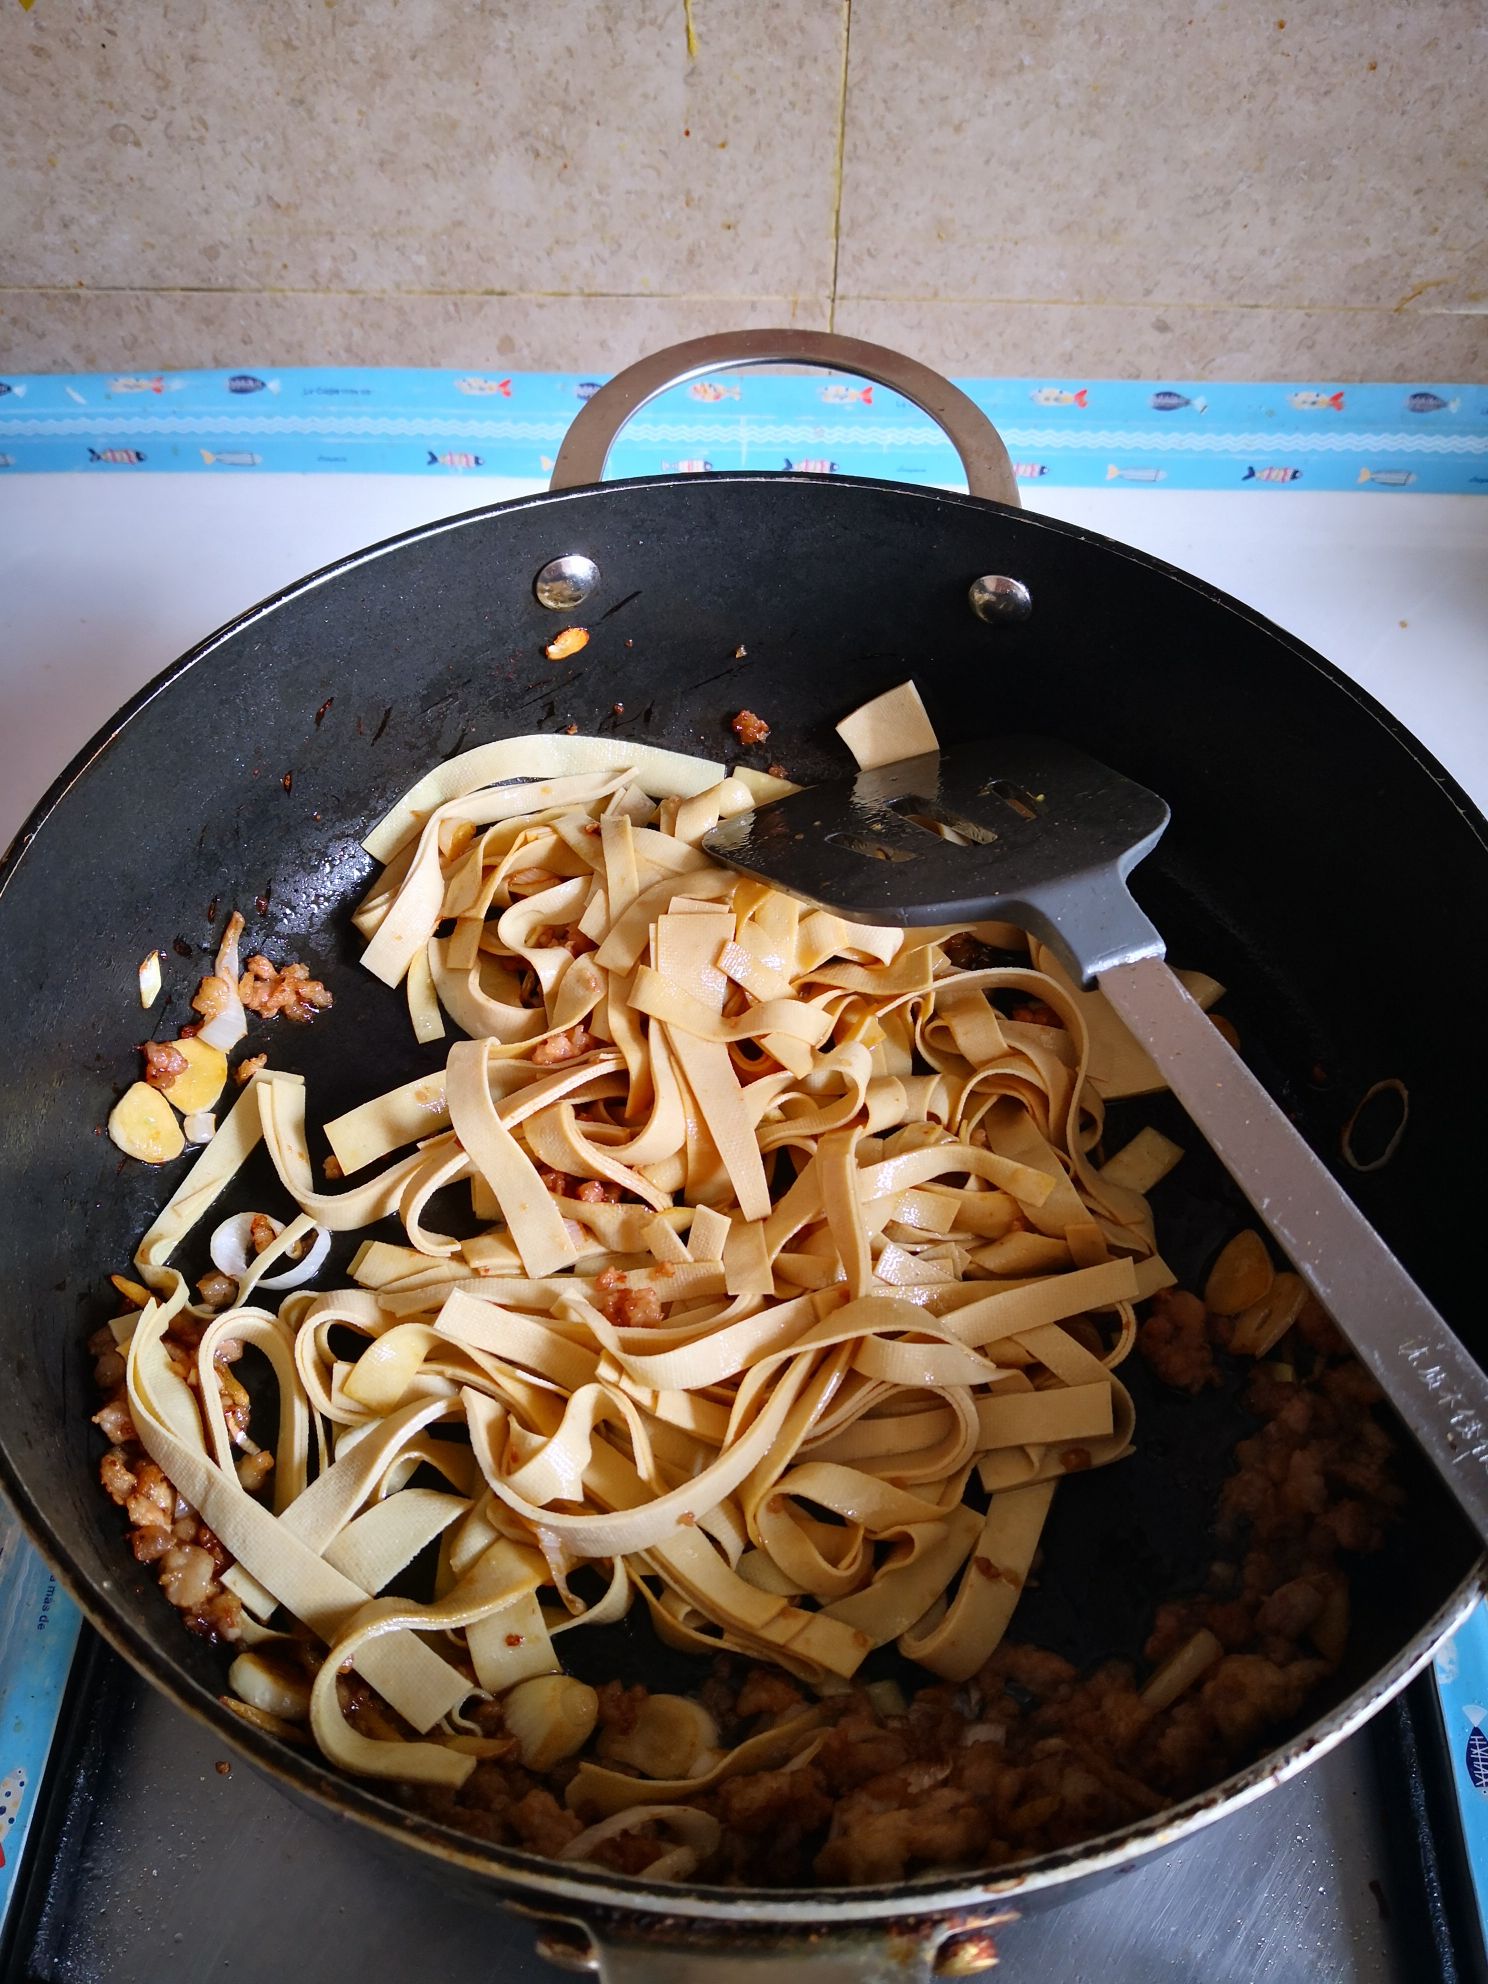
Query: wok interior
[[1311, 853]]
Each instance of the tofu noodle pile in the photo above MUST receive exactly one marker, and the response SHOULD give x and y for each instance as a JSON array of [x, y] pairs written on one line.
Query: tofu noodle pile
[[793, 1298]]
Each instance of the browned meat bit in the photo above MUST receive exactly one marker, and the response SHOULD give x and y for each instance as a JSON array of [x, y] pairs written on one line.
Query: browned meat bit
[[598, 1192], [768, 1800], [777, 771], [261, 1232], [565, 937], [868, 1843], [1245, 1694], [1048, 1676], [749, 728], [162, 1063], [210, 997], [235, 1401], [1293, 1609], [543, 1826], [1318, 1330], [186, 1576], [152, 1505], [108, 1371], [332, 1168], [1174, 1341], [219, 1617], [859, 1748], [766, 1691], [246, 1069], [627, 1308], [114, 1421], [268, 990], [563, 1046], [217, 1290], [1034, 1012], [254, 1470], [117, 1476], [567, 643], [619, 1706], [628, 1852]]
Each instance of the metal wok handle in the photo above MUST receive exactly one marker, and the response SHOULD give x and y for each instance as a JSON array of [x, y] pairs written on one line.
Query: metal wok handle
[[587, 444], [720, 1950]]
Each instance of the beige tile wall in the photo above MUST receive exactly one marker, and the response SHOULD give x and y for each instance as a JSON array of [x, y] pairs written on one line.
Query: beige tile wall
[[1094, 186]]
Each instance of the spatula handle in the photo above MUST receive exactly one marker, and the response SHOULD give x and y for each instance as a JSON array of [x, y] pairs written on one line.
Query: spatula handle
[[1435, 1386]]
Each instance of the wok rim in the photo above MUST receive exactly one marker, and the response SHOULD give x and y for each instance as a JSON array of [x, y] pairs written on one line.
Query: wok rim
[[536, 1881]]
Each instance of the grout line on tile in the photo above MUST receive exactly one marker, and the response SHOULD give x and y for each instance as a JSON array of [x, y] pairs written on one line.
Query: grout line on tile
[[1171, 303], [742, 296], [837, 168], [403, 295]]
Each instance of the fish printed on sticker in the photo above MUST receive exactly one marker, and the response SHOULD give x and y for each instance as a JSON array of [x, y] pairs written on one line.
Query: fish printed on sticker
[[7, 461], [693, 466], [130, 456], [476, 385], [1115, 474], [249, 382], [839, 395], [1389, 478], [1059, 396], [1167, 401], [1430, 403], [454, 459], [587, 388], [1026, 471], [230, 458], [1272, 474], [12, 1797], [156, 384], [812, 465], [712, 392], [1476, 1754], [17, 392], [1312, 402]]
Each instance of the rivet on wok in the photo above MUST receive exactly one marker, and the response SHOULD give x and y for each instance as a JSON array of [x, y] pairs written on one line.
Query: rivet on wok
[[564, 583], [999, 599]]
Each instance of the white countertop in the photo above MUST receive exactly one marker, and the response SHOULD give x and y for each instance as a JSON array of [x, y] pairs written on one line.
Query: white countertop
[[105, 581]]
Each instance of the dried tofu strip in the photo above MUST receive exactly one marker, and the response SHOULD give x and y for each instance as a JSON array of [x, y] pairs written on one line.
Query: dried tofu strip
[[791, 1238]]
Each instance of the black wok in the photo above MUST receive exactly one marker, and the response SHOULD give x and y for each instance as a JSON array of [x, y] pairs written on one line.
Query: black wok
[[1315, 847]]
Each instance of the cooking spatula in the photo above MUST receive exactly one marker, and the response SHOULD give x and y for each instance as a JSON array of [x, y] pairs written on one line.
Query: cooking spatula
[[1032, 832]]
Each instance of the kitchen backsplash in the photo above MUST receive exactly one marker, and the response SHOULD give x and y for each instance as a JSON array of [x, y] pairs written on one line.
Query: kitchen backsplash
[[1095, 187]]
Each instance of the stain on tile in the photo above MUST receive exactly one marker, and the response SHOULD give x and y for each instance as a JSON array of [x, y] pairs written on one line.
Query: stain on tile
[[84, 331], [400, 145], [1102, 151], [1111, 342]]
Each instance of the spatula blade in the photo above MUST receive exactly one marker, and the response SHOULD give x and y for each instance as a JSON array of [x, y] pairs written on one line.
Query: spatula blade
[[1025, 830]]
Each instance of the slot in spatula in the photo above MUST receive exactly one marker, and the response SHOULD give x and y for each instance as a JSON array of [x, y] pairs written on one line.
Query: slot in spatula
[[1033, 832]]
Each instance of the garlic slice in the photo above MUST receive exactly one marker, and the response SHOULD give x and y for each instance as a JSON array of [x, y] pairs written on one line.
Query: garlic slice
[[142, 1124], [201, 1081]]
